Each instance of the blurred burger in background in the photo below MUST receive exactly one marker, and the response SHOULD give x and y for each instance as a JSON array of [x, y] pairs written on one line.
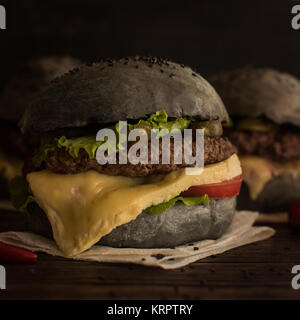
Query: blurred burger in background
[[15, 97], [264, 105]]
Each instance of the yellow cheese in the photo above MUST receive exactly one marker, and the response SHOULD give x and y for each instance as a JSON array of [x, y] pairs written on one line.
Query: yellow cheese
[[84, 207], [10, 167], [257, 171], [290, 167]]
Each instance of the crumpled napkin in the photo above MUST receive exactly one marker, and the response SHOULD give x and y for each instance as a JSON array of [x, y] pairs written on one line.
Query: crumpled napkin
[[240, 232]]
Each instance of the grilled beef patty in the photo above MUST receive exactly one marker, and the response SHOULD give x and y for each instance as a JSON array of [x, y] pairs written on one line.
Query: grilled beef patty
[[280, 146], [216, 149]]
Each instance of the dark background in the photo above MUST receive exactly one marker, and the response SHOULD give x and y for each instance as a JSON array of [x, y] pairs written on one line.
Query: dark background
[[211, 36]]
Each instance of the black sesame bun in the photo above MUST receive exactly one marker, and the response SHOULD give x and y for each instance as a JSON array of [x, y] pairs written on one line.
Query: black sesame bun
[[129, 88], [255, 92], [176, 226]]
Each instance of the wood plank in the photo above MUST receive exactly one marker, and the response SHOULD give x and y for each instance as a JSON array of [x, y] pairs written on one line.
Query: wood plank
[[256, 271]]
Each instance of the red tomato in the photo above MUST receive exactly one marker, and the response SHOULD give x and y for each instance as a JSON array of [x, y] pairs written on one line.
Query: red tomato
[[294, 215], [224, 189], [9, 253]]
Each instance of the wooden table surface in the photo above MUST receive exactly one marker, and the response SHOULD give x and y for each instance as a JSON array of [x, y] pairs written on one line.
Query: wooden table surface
[[257, 271]]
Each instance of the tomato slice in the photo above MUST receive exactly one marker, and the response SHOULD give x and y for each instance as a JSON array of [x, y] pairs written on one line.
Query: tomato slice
[[221, 190]]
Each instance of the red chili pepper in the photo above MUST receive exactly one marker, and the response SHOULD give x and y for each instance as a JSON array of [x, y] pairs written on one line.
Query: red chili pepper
[[294, 215], [9, 253]]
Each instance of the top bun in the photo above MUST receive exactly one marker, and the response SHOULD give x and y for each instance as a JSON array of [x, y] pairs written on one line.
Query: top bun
[[35, 74], [260, 92], [129, 88]]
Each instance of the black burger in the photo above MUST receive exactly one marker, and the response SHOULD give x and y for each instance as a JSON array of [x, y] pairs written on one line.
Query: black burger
[[34, 75], [80, 202], [265, 108]]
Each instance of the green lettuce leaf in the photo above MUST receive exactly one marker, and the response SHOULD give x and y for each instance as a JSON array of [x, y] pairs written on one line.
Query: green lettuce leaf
[[24, 207], [18, 190], [73, 146], [42, 154], [158, 120], [188, 201]]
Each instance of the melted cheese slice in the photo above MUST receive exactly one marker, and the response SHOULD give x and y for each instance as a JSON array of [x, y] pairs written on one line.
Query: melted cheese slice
[[258, 171], [84, 207], [10, 167]]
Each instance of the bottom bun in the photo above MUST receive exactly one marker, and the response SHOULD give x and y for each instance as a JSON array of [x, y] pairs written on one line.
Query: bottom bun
[[177, 225], [278, 195]]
